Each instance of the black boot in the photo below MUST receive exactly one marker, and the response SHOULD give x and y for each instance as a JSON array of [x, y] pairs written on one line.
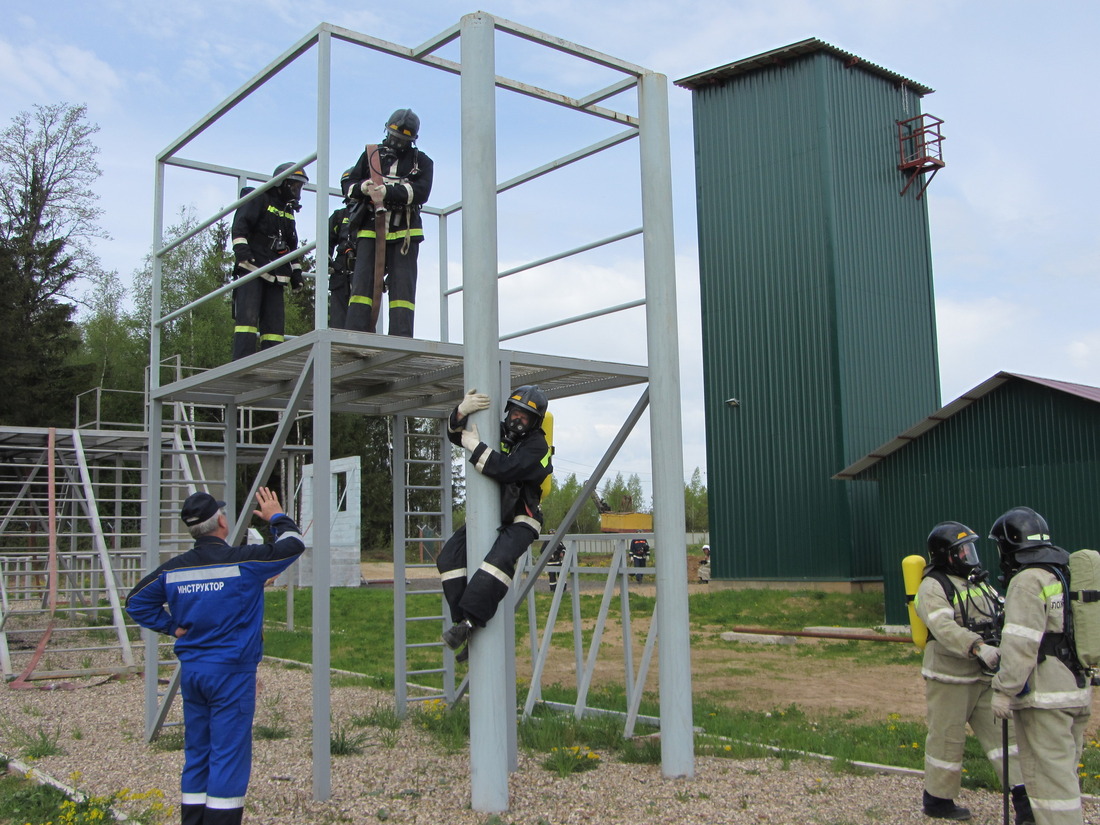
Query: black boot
[[943, 808], [1022, 805], [224, 816], [192, 814], [457, 635]]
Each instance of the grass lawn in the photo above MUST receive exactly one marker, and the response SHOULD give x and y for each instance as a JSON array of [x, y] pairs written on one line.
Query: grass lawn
[[362, 642]]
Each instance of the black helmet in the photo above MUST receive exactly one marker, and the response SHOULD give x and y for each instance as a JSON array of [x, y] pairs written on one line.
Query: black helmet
[[530, 399], [1023, 537], [402, 129], [951, 545], [345, 181], [404, 125], [1019, 529], [298, 175]]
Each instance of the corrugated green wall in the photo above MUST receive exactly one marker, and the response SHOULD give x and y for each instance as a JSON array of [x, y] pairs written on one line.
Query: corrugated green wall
[[1023, 444], [817, 312]]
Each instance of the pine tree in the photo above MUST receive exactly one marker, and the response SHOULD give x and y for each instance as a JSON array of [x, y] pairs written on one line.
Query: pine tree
[[47, 213]]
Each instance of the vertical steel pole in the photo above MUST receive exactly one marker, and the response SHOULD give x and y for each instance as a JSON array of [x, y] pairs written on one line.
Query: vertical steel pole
[[490, 711], [399, 467], [444, 299], [229, 439], [321, 254], [151, 506], [677, 750], [322, 445]]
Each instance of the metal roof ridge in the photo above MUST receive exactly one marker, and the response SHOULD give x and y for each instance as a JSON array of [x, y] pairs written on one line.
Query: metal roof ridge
[[772, 57], [924, 425]]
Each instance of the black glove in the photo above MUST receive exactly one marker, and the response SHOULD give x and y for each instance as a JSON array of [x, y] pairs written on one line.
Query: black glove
[[243, 257], [296, 279]]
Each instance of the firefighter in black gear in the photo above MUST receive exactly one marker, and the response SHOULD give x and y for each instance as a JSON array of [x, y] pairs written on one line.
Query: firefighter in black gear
[[397, 177], [639, 555], [554, 565], [263, 230], [520, 466], [341, 252]]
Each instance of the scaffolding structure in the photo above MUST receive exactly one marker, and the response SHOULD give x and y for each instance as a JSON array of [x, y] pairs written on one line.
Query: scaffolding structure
[[73, 516], [329, 371]]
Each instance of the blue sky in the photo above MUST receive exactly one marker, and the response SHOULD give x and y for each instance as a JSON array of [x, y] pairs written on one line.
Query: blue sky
[[1015, 248]]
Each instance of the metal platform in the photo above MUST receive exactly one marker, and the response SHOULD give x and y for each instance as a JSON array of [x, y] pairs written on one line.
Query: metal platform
[[383, 375]]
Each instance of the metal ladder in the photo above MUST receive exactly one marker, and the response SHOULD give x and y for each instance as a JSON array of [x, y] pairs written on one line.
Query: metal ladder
[[53, 593], [422, 502]]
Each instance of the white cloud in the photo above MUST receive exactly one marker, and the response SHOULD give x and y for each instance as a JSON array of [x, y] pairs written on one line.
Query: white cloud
[[980, 338], [45, 72]]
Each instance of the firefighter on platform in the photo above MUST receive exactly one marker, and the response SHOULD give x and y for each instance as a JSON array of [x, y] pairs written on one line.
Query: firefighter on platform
[[519, 466], [394, 180], [1040, 684], [964, 615], [264, 230], [341, 250]]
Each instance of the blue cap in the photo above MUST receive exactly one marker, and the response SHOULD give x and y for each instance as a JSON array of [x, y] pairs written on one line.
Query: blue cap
[[199, 507]]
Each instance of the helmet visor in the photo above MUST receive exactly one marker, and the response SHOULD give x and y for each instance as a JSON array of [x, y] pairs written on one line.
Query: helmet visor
[[966, 555]]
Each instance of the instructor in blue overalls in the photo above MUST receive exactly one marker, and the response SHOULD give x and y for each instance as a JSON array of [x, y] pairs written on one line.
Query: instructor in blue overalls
[[214, 594]]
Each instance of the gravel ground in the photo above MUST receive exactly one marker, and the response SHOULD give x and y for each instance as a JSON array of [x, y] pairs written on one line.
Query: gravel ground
[[403, 777]]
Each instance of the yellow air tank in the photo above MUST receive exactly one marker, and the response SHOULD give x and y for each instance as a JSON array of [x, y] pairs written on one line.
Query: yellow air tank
[[912, 568], [548, 428]]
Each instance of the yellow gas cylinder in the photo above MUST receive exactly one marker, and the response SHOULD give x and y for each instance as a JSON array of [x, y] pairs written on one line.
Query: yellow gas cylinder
[[912, 570], [548, 428]]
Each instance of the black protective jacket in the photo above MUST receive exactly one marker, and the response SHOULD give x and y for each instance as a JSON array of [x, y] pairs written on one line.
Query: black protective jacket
[[339, 246], [263, 230], [519, 469], [408, 179]]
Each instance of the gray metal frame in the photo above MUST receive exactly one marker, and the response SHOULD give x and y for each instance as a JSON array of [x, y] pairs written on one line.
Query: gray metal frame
[[375, 375]]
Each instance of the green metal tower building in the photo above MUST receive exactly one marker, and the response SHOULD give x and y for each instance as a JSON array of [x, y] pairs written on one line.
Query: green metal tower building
[[819, 339]]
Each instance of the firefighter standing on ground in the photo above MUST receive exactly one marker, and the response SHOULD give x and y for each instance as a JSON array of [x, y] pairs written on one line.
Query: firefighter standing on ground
[[963, 613], [1039, 684], [264, 230], [520, 466], [215, 599], [639, 555], [400, 184], [704, 566]]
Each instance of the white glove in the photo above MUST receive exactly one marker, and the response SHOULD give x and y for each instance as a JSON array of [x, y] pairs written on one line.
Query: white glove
[[1001, 705], [473, 402], [376, 192], [470, 438], [989, 655]]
